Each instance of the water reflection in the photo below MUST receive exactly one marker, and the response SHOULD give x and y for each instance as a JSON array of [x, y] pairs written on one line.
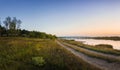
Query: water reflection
[[115, 44]]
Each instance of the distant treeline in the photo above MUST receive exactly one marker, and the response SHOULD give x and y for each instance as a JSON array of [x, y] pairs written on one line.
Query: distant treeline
[[115, 38], [11, 28]]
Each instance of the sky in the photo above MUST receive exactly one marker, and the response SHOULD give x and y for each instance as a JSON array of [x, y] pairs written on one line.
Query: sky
[[66, 17]]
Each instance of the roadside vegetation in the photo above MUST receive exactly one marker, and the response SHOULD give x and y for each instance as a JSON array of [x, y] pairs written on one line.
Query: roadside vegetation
[[91, 54], [18, 53], [103, 48]]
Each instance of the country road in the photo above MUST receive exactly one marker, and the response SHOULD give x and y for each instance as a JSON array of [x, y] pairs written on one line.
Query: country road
[[104, 65]]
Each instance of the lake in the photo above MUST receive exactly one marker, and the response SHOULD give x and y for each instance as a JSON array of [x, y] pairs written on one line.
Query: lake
[[115, 44]]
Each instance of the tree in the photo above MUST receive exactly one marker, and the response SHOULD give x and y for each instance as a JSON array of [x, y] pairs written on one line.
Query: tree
[[0, 23], [18, 24], [0, 28], [7, 22], [12, 26]]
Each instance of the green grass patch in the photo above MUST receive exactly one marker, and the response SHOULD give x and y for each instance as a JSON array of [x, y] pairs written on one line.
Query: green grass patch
[[39, 61]]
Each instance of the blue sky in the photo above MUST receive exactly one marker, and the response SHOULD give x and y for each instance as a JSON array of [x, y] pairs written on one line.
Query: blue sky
[[65, 17]]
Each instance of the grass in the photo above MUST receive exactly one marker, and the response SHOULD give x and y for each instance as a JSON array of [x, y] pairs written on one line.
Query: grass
[[95, 55], [38, 54], [104, 46], [98, 48]]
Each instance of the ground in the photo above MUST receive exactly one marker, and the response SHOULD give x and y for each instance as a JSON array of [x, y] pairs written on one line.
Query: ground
[[38, 54]]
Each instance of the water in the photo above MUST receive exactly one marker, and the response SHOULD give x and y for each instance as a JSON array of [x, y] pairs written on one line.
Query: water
[[115, 44]]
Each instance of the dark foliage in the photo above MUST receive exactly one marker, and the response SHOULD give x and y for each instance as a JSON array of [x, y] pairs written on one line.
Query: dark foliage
[[11, 28]]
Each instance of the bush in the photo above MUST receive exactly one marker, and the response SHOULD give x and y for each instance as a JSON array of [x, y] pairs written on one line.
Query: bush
[[39, 61], [104, 45]]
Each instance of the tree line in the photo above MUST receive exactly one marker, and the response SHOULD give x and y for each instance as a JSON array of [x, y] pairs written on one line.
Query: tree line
[[10, 27]]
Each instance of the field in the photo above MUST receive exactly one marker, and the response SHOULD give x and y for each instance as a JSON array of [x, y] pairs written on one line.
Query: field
[[38, 54]]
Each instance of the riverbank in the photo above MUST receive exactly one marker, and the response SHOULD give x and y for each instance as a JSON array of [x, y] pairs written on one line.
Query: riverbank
[[96, 48], [104, 61]]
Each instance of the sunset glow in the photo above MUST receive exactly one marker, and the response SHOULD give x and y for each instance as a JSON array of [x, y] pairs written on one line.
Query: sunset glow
[[66, 17]]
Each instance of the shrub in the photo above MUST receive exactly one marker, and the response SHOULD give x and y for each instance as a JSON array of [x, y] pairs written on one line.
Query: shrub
[[39, 61], [105, 45]]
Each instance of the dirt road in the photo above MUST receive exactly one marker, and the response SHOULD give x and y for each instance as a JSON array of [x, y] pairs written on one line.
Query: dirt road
[[104, 65]]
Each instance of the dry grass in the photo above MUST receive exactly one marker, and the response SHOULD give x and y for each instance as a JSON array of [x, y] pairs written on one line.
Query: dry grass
[[17, 54]]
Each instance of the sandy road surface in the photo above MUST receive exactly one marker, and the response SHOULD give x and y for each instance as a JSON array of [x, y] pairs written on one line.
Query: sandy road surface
[[104, 65]]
